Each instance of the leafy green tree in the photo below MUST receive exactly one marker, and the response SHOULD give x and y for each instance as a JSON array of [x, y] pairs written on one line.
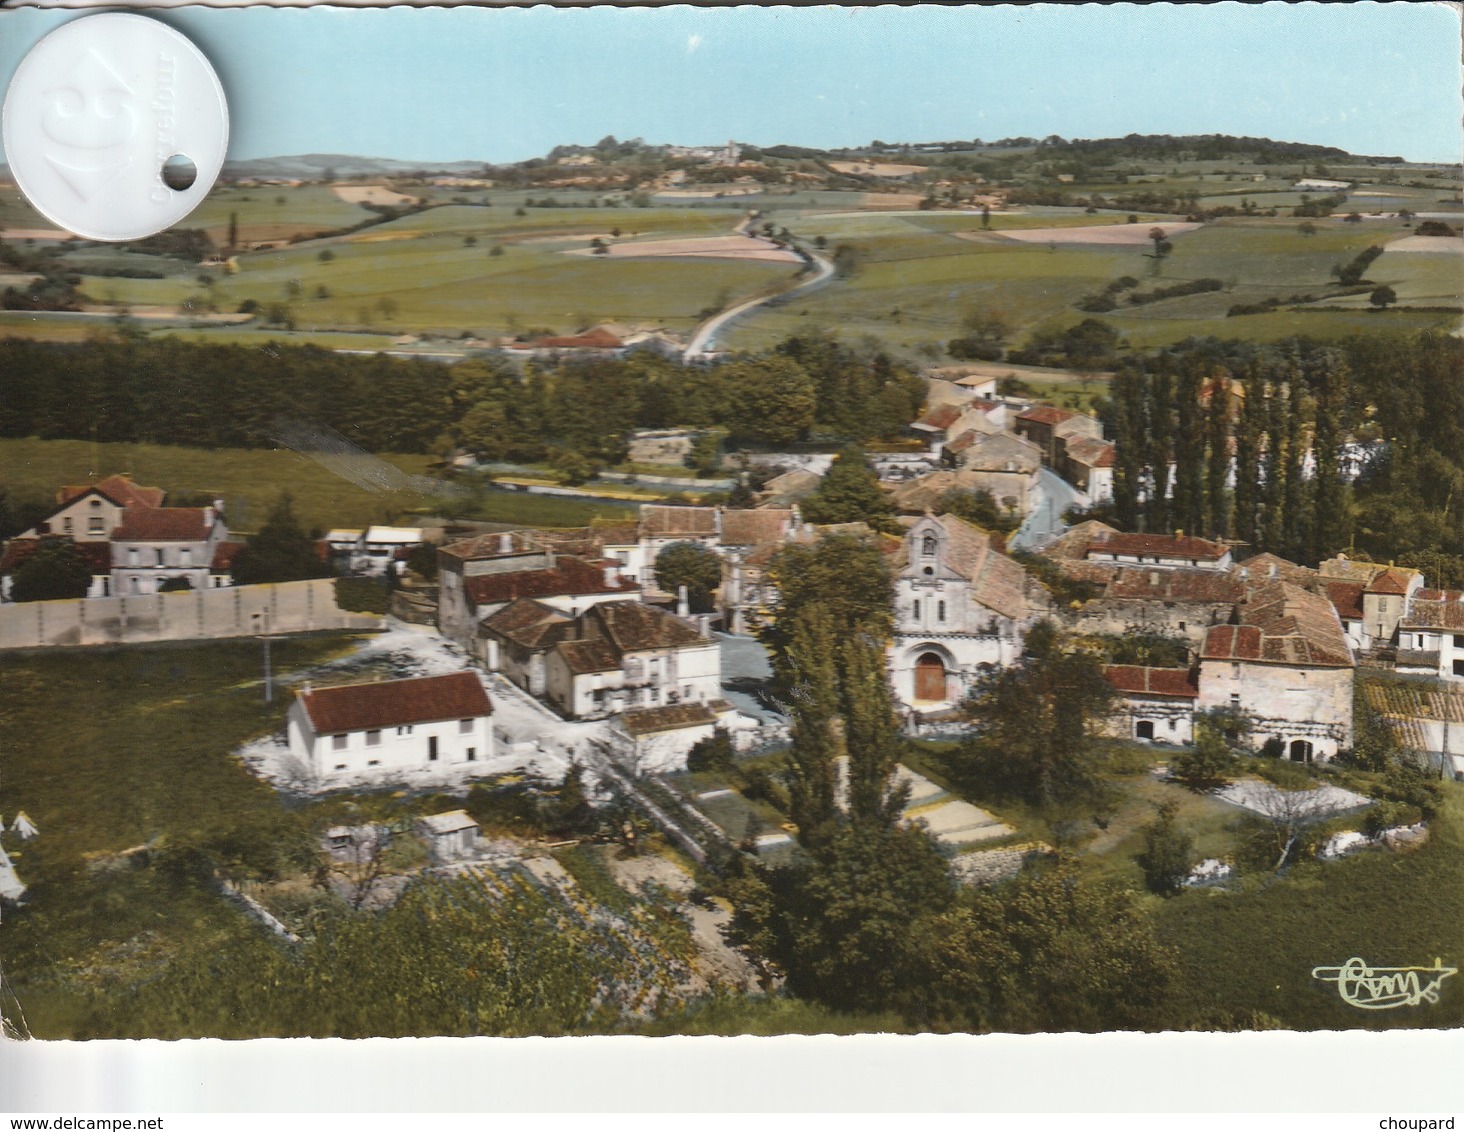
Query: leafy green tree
[[774, 399], [1168, 853], [1207, 762], [871, 729], [54, 572], [1383, 297], [850, 493], [1217, 456], [282, 551], [808, 684], [692, 565], [1160, 447], [978, 507], [1189, 451], [843, 573], [1037, 726]]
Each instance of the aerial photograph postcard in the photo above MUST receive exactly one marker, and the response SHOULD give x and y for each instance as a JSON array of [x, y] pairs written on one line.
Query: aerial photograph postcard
[[673, 521]]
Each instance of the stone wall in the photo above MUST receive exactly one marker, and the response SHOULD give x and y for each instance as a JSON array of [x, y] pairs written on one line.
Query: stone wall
[[233, 611]]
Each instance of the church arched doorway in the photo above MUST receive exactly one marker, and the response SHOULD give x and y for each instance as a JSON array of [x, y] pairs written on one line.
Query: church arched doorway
[[930, 677]]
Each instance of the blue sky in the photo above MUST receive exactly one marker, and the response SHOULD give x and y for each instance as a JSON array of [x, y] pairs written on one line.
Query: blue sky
[[507, 84]]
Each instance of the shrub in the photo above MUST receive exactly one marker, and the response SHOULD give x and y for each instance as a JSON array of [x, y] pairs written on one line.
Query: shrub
[[712, 753], [361, 595], [1204, 765], [1284, 774], [1388, 815], [1168, 853], [1274, 747]]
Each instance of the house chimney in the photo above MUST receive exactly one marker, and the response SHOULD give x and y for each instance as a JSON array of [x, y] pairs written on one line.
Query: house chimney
[[208, 517], [612, 575], [305, 689], [1273, 570], [1178, 533], [683, 602], [505, 543], [1245, 573]]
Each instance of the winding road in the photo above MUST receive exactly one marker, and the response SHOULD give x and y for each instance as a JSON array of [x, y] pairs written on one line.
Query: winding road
[[706, 334]]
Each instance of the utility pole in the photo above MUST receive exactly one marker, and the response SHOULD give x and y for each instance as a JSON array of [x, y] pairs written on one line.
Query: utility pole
[[268, 676]]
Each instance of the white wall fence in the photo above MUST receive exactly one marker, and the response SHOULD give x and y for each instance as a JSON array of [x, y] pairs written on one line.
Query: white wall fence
[[234, 611]]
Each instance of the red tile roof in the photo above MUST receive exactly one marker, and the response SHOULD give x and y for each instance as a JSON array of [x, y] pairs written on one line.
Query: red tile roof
[[671, 717], [1282, 624], [1159, 546], [1203, 586], [529, 624], [584, 657], [1133, 679], [570, 577], [1434, 615], [658, 521], [98, 555], [753, 528], [1232, 642], [1439, 595], [1091, 451], [941, 417], [119, 489], [163, 524], [1346, 599], [223, 556], [1390, 581], [633, 627], [1046, 414], [394, 703]]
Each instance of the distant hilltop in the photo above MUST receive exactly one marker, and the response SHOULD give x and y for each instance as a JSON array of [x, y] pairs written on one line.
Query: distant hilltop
[[327, 166]]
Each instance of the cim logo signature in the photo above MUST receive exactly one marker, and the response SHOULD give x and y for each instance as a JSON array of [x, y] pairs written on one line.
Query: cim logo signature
[[1385, 988]]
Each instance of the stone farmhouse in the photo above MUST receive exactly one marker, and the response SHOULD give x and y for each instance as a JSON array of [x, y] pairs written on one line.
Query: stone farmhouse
[[1047, 427], [960, 606], [611, 658], [1155, 704], [1003, 464], [1288, 665], [391, 726], [133, 543]]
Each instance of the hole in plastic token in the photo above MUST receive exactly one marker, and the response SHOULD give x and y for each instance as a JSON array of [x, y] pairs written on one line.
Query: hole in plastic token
[[179, 172], [97, 122]]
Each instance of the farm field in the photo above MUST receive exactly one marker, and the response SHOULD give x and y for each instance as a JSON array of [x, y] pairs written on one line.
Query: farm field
[[250, 480]]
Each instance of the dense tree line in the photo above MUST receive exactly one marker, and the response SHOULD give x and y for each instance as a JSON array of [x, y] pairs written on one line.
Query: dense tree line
[[165, 391], [1257, 444]]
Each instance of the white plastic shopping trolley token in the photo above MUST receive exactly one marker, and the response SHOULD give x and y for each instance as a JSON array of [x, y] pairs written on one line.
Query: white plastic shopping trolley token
[[115, 126]]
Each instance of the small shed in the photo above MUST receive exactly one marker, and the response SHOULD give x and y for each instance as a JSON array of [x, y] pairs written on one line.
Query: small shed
[[450, 836]]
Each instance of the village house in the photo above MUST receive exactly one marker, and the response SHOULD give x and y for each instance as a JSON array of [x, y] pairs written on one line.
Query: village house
[[656, 740], [1087, 464], [1287, 664], [623, 655], [1184, 604], [749, 541], [1167, 552], [942, 424], [1003, 464], [1156, 705], [154, 547], [1046, 425], [388, 726], [960, 606], [1431, 634]]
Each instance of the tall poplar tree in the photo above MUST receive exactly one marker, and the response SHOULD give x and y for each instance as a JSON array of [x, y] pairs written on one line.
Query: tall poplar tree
[[1329, 519], [1217, 456], [1273, 495], [812, 699], [1189, 450], [1160, 401], [1127, 422], [1295, 504], [871, 730], [1249, 438]]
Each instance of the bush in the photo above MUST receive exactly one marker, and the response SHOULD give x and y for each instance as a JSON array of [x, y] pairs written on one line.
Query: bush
[[1284, 774], [973, 349], [1389, 815], [712, 753], [1274, 747], [361, 595], [1206, 764], [1168, 853]]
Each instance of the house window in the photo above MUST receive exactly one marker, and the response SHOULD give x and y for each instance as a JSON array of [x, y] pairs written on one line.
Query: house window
[[338, 742], [465, 727], [432, 748], [340, 766], [927, 546], [405, 729], [1458, 640], [1181, 626], [472, 754], [94, 525], [1234, 701], [686, 691], [160, 556], [373, 738], [940, 611], [1173, 725], [915, 611], [373, 762], [68, 526], [185, 556], [134, 556]]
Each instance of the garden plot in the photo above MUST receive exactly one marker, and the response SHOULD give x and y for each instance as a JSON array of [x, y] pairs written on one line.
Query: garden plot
[[1271, 801], [1122, 235], [370, 194], [710, 247], [1448, 245]]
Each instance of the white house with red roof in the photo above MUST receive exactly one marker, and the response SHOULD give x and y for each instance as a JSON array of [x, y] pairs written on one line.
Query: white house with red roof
[[1174, 552], [1156, 705], [391, 726], [153, 546]]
